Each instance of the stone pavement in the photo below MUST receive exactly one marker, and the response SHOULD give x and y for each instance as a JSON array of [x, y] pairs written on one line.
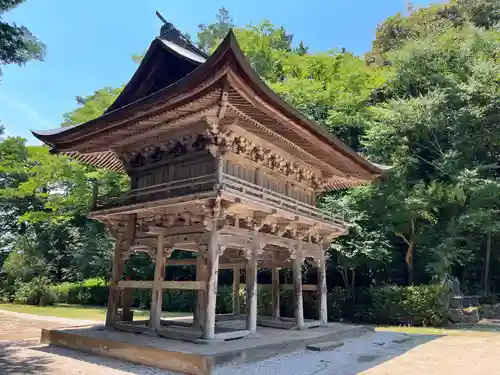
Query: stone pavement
[[381, 353]]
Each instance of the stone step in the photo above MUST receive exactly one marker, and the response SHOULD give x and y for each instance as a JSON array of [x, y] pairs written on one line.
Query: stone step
[[323, 346]]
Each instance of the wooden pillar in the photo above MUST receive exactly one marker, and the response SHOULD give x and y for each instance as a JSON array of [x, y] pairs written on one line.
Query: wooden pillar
[[236, 291], [127, 299], [201, 275], [322, 291], [297, 287], [114, 291], [276, 292], [157, 291], [211, 294], [251, 285]]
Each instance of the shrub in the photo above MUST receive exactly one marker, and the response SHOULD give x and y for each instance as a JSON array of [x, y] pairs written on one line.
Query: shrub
[[413, 305], [89, 292], [389, 304], [36, 292]]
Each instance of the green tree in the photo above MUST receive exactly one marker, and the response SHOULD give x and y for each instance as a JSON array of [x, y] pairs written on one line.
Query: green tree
[[209, 36], [17, 44]]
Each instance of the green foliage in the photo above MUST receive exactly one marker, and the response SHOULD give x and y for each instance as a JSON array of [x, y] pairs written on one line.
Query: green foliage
[[209, 36], [17, 44], [92, 106], [35, 292], [414, 305]]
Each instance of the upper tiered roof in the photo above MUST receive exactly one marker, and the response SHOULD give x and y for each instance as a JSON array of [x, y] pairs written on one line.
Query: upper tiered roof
[[177, 82]]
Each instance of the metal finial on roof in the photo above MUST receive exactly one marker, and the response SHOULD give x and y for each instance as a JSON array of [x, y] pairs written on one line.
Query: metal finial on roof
[[169, 32]]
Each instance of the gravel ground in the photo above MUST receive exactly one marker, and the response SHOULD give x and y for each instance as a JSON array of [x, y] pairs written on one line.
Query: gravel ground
[[379, 353]]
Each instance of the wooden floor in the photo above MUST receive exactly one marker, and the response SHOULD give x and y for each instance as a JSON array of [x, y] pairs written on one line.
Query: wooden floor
[[191, 358]]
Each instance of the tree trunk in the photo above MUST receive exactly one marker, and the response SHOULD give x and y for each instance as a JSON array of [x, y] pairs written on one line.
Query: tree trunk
[[343, 272], [353, 284], [409, 262], [487, 261]]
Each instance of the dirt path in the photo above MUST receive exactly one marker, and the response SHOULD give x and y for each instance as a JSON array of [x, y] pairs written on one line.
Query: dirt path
[[380, 353]]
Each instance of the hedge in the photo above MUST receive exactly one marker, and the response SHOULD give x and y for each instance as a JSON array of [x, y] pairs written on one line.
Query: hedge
[[388, 304]]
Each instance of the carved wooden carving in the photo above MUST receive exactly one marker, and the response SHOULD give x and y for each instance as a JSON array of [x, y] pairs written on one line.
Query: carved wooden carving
[[166, 150], [246, 148]]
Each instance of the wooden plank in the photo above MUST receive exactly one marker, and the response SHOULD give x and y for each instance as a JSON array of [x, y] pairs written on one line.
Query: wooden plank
[[232, 335], [147, 284], [305, 287], [138, 284], [192, 262], [127, 327], [185, 285]]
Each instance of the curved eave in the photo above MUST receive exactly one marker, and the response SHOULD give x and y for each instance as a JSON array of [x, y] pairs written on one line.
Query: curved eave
[[289, 111], [230, 53], [156, 46]]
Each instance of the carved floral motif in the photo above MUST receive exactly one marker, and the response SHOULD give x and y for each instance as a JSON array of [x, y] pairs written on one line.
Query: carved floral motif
[[244, 147], [168, 149]]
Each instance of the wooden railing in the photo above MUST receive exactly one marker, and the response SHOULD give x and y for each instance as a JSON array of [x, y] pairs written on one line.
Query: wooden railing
[[162, 191], [231, 184], [235, 184]]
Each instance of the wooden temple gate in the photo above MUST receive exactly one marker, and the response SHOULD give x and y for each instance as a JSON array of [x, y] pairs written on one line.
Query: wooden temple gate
[[219, 166]]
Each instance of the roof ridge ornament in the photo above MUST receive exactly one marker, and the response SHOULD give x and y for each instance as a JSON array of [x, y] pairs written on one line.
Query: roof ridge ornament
[[172, 34]]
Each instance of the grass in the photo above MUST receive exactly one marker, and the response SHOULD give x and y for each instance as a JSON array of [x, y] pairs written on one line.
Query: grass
[[97, 313], [479, 330]]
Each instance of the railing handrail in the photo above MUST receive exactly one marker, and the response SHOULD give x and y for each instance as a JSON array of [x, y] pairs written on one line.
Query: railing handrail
[[176, 182], [284, 200]]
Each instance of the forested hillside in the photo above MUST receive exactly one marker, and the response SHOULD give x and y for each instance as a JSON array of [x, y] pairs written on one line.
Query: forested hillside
[[425, 101]]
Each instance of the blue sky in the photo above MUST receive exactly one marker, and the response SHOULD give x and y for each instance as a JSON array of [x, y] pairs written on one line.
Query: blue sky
[[90, 43]]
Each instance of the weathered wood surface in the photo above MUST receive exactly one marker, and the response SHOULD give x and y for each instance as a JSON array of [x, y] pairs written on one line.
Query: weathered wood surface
[[201, 275], [323, 292], [146, 284], [305, 287], [275, 293], [251, 281], [114, 290], [236, 291], [297, 287], [157, 297], [211, 294]]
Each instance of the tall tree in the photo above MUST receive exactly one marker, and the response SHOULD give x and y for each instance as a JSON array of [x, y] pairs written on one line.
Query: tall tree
[[17, 44]]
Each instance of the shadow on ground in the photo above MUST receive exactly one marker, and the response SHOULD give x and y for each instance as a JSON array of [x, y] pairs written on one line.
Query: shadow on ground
[[92, 359], [11, 363], [385, 346]]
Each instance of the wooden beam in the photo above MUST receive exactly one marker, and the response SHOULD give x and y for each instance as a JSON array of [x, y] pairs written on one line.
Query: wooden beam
[[146, 284], [305, 287], [157, 297], [195, 228], [236, 291], [251, 281], [297, 287], [185, 285], [201, 275], [211, 295], [114, 291], [275, 293], [138, 284], [323, 294]]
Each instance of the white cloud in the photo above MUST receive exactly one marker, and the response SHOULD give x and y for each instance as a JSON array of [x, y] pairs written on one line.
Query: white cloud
[[34, 118]]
